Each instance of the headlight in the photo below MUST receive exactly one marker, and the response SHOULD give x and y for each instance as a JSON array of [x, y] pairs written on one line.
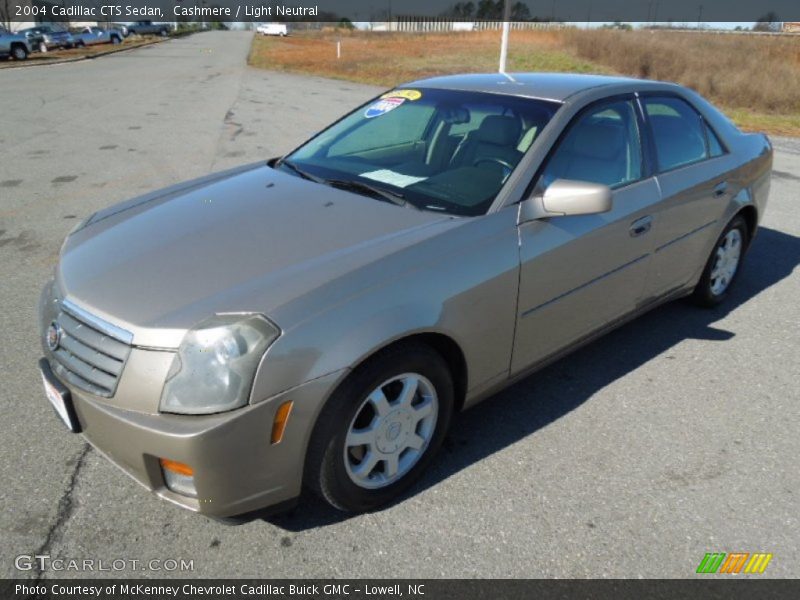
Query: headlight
[[214, 368]]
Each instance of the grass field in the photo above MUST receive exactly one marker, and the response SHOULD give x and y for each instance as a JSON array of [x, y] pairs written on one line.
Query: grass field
[[755, 79]]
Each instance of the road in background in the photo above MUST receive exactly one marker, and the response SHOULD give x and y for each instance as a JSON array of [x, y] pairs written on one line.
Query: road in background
[[671, 437]]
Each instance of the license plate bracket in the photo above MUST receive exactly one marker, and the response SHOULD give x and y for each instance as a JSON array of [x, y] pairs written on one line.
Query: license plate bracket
[[59, 397]]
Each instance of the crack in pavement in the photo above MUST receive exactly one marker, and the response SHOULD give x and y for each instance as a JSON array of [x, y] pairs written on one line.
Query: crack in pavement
[[66, 507]]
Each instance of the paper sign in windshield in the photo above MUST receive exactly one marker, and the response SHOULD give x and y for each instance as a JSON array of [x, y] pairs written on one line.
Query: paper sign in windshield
[[392, 178], [383, 106]]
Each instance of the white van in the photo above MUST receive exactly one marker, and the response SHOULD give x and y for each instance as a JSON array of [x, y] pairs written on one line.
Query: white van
[[273, 29]]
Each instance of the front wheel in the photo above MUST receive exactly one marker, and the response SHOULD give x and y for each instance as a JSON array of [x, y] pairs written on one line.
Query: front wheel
[[115, 40], [19, 53], [723, 264], [381, 428]]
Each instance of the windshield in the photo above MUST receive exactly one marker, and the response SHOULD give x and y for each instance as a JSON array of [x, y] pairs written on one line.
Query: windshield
[[443, 150]]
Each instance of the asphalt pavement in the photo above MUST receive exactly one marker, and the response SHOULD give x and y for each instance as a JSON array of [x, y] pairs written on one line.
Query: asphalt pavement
[[674, 436]]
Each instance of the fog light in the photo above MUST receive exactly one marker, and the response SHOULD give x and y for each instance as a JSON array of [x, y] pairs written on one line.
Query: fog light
[[178, 477]]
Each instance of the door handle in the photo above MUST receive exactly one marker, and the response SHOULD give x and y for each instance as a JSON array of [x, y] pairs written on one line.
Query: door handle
[[641, 226], [720, 189]]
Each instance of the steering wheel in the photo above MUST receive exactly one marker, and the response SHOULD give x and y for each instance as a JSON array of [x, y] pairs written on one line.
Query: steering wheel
[[491, 159]]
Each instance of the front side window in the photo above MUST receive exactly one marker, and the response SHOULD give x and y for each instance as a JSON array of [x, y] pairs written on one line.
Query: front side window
[[678, 132], [601, 146], [445, 150]]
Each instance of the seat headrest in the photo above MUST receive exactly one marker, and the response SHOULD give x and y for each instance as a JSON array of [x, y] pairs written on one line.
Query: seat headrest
[[499, 130], [600, 140]]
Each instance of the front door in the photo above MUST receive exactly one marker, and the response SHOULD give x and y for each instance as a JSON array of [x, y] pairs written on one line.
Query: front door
[[579, 273]]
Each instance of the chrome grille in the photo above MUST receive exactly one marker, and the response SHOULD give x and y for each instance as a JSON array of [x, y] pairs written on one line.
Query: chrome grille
[[91, 353]]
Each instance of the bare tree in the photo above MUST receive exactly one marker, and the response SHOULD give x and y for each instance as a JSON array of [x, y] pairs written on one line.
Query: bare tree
[[6, 9], [769, 22]]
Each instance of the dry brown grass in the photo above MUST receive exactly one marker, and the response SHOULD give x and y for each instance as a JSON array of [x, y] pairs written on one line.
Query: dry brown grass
[[740, 71], [756, 79], [385, 59]]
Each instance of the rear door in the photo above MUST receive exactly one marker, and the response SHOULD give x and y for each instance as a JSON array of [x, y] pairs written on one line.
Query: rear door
[[580, 273], [692, 164]]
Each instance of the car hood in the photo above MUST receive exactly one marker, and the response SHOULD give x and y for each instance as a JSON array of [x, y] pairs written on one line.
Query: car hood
[[253, 240]]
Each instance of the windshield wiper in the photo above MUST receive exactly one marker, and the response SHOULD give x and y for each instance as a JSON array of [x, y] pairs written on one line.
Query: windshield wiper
[[344, 184], [304, 174], [359, 186]]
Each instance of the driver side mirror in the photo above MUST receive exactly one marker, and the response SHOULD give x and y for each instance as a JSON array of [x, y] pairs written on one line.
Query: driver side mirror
[[564, 198]]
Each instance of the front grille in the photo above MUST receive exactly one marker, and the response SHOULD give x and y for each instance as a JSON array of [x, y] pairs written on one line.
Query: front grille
[[91, 353]]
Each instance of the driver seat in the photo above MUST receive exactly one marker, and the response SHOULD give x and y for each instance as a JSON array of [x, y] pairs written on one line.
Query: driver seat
[[495, 138]]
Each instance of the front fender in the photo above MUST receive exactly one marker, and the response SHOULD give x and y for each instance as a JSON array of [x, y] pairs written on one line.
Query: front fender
[[467, 292], [345, 340]]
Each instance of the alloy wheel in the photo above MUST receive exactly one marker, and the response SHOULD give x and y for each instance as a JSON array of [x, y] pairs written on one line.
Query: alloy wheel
[[391, 430], [728, 254]]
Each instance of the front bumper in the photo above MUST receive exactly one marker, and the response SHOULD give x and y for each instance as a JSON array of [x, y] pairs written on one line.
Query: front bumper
[[237, 469]]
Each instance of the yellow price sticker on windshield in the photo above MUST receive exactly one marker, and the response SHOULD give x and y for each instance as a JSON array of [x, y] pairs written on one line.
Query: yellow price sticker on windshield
[[407, 94]]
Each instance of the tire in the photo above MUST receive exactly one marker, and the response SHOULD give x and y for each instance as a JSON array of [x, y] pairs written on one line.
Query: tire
[[80, 45], [721, 270], [115, 40], [19, 52], [332, 462], [163, 33]]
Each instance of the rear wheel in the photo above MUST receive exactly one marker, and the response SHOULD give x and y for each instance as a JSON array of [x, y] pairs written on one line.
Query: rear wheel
[[115, 40], [723, 264], [381, 428]]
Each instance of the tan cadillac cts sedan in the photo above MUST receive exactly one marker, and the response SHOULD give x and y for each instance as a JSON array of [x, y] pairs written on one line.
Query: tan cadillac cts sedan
[[314, 321]]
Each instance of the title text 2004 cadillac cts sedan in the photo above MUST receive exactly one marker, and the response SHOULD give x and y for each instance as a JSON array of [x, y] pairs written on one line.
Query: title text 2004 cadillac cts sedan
[[318, 319]]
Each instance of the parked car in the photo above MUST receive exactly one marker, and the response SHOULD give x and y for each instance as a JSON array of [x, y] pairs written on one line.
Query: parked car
[[122, 27], [89, 36], [279, 29], [44, 38], [317, 319], [14, 45], [149, 28]]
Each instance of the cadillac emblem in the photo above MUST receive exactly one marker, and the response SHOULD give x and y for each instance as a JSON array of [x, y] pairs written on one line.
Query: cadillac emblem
[[54, 332]]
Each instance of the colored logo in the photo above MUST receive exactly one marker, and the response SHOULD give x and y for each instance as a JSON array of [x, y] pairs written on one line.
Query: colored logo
[[54, 333], [734, 562], [382, 106], [407, 94]]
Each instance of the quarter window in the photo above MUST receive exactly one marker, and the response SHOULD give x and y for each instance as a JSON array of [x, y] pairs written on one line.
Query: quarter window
[[714, 145], [602, 146], [678, 132]]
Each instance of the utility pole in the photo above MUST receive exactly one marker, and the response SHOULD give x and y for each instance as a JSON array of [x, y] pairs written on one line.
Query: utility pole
[[504, 39]]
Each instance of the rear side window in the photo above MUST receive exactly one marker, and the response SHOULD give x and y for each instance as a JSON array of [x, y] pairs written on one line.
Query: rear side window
[[678, 132]]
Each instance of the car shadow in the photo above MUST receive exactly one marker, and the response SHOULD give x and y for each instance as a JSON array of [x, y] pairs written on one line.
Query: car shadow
[[511, 415]]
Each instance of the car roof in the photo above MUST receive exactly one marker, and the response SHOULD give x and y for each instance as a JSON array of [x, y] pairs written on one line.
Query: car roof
[[550, 86]]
